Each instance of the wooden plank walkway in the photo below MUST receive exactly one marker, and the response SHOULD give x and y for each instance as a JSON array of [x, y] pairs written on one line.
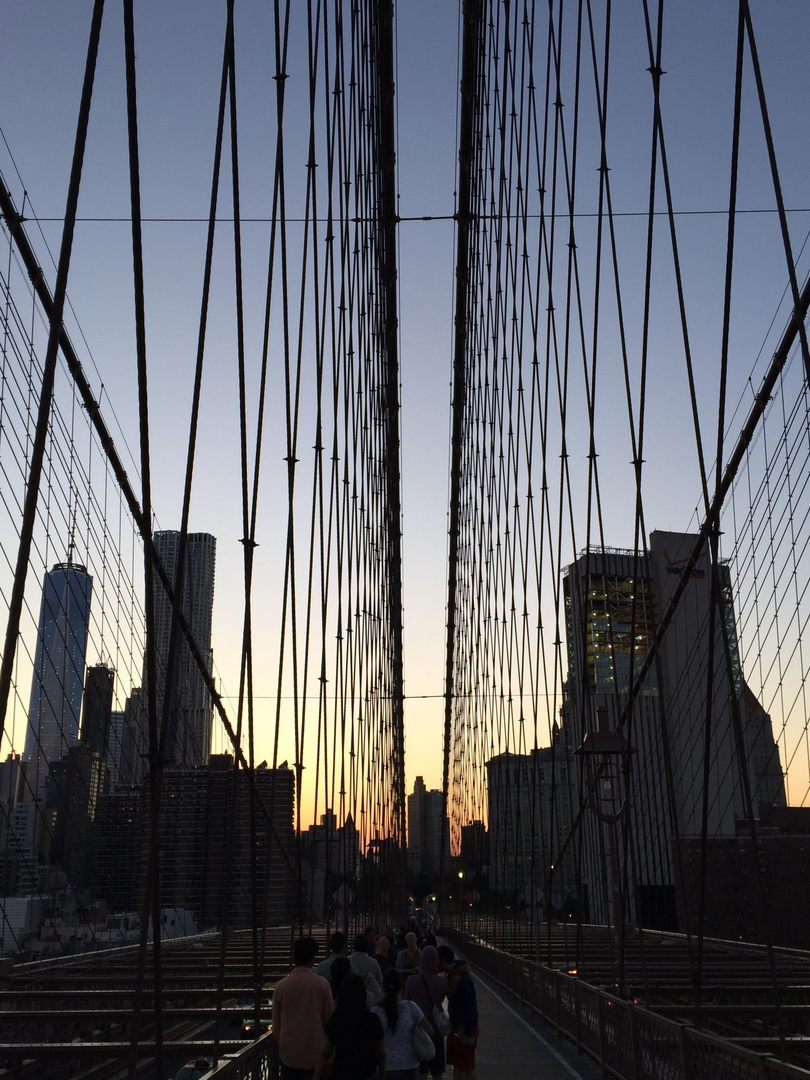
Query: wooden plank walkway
[[515, 1044]]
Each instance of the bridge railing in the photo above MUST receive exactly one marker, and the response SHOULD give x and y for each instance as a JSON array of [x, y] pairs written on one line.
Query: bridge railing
[[628, 1040], [259, 1062]]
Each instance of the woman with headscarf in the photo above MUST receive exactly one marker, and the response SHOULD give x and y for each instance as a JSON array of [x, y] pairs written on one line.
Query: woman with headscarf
[[428, 989]]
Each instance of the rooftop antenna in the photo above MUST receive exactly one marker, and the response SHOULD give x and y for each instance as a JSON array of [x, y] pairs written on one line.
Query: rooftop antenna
[[72, 539]]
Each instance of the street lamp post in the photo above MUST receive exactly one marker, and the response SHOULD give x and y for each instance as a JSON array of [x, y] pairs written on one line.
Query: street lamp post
[[605, 754], [461, 901]]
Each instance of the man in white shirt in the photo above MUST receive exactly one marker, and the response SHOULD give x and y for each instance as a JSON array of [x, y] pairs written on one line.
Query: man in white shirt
[[302, 1003], [368, 968]]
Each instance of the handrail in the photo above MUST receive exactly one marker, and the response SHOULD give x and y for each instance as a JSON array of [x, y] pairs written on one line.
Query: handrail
[[259, 1062], [628, 1040]]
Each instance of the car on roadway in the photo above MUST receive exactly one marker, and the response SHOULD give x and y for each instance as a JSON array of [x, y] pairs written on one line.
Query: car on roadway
[[194, 1069], [251, 1026], [245, 1006]]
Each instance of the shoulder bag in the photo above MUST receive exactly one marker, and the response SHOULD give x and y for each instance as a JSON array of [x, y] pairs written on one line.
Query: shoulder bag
[[421, 1043], [441, 1021]]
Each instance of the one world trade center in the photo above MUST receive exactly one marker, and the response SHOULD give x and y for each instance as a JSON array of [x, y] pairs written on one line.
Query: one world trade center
[[56, 685]]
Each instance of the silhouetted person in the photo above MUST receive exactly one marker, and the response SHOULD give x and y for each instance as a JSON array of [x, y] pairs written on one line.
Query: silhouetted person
[[302, 1004], [462, 1006], [353, 1035]]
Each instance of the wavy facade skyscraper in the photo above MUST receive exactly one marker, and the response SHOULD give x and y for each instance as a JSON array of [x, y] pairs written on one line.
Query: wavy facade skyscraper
[[58, 678], [188, 743]]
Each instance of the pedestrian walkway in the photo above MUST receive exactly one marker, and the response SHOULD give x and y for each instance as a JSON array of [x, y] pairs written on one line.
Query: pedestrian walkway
[[515, 1044]]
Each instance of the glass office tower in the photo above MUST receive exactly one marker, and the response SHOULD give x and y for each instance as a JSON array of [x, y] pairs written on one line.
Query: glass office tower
[[57, 681]]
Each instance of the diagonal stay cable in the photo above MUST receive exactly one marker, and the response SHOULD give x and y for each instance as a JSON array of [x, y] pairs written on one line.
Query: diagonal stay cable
[[152, 891], [710, 522], [91, 405]]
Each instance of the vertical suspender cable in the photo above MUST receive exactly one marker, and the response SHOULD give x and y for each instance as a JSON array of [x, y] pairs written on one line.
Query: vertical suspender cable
[[49, 372], [387, 286]]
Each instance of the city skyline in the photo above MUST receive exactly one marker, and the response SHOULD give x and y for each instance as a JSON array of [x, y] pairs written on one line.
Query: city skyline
[[39, 130]]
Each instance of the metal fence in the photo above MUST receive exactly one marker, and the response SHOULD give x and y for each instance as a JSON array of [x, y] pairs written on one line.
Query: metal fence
[[628, 1040], [259, 1062]]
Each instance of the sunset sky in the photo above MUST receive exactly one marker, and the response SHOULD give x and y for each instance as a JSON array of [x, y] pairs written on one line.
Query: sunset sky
[[179, 46]]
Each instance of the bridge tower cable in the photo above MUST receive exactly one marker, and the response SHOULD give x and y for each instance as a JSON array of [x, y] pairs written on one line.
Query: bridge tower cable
[[471, 48], [155, 771], [383, 35]]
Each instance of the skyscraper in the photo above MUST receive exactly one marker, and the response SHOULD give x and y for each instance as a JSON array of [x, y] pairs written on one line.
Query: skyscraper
[[208, 842], [513, 822], [129, 743], [529, 809], [188, 740], [114, 747], [687, 764], [56, 684], [96, 712], [71, 799], [425, 821]]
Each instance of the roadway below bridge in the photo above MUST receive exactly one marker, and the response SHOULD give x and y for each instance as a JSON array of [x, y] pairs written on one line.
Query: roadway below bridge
[[97, 1014]]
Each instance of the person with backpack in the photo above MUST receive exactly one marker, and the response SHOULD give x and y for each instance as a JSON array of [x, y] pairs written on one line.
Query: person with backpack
[[429, 989]]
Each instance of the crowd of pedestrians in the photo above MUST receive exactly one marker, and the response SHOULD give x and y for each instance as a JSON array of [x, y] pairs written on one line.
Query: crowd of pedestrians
[[372, 1013]]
